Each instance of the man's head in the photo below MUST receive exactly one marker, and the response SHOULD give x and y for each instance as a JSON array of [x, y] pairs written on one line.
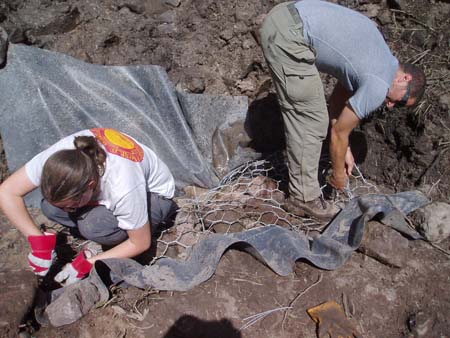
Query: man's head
[[407, 88]]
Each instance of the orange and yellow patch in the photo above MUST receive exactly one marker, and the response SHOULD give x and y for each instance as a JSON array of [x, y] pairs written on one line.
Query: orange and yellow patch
[[119, 144]]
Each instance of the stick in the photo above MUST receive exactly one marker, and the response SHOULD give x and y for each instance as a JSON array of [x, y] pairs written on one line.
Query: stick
[[421, 56], [433, 186], [436, 159], [413, 19], [445, 252], [246, 280]]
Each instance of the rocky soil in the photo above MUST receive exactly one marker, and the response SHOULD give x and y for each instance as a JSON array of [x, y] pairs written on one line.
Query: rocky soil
[[210, 47]]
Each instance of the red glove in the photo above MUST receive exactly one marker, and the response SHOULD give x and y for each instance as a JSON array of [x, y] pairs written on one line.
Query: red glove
[[42, 253], [78, 269]]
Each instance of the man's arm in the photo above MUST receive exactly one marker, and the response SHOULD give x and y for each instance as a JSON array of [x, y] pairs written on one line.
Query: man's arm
[[340, 131], [336, 105], [337, 101]]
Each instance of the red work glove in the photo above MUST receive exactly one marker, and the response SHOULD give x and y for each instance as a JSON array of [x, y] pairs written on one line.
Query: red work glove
[[42, 253], [75, 271]]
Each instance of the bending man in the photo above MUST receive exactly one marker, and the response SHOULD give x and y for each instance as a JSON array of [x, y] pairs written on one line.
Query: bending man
[[299, 39]]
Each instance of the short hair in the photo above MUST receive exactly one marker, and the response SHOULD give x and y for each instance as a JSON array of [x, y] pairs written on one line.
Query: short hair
[[418, 81]]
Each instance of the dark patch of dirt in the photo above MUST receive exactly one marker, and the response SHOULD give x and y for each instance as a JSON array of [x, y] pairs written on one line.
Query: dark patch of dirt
[[210, 46]]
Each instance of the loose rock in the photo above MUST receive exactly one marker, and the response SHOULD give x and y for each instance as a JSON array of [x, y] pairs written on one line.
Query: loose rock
[[226, 35], [385, 17], [444, 102], [168, 17], [371, 10], [133, 6], [433, 221], [385, 245], [196, 85], [248, 43], [173, 3]]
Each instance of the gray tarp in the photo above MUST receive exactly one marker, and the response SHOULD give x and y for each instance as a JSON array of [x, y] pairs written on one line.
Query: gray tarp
[[45, 96]]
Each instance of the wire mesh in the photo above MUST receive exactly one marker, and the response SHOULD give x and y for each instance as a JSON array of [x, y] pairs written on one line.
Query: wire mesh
[[248, 197]]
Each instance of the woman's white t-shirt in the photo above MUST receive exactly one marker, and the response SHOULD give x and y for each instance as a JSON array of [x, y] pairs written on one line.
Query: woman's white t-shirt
[[132, 170]]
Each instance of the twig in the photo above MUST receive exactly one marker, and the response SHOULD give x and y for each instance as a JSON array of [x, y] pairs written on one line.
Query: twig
[[426, 111], [436, 159], [445, 91], [433, 186], [345, 304], [413, 19], [140, 328], [246, 280], [122, 334], [417, 110], [82, 243], [420, 56], [109, 301], [445, 252], [431, 55], [297, 297]]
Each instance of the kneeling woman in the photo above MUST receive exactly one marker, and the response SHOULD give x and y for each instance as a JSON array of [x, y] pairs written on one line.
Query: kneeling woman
[[114, 189]]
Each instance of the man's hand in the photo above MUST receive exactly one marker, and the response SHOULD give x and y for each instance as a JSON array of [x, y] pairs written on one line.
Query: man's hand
[[339, 182], [75, 271], [341, 155], [42, 253], [349, 161]]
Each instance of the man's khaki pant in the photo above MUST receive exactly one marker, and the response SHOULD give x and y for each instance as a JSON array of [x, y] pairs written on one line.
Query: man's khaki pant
[[301, 98]]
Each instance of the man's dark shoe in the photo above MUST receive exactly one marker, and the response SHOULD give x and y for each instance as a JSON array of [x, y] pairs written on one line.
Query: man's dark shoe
[[318, 208]]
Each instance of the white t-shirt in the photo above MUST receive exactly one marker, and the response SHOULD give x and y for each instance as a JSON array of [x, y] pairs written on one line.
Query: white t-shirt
[[131, 170]]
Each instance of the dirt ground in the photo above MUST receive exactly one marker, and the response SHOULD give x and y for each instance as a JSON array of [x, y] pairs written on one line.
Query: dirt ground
[[210, 47]]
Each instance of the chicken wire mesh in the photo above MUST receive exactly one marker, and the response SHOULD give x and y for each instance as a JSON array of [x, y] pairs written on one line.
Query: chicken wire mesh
[[250, 196]]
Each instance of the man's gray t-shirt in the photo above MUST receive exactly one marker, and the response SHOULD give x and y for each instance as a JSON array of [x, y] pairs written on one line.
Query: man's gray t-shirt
[[349, 47]]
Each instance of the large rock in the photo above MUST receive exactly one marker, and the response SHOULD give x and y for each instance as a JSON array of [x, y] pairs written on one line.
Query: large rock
[[433, 221], [384, 244]]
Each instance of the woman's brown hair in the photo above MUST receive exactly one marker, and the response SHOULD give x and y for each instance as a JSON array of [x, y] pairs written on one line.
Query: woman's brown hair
[[68, 173]]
